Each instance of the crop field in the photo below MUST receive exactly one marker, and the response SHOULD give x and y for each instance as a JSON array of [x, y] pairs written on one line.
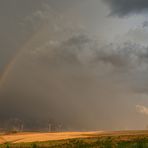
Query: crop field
[[119, 139]]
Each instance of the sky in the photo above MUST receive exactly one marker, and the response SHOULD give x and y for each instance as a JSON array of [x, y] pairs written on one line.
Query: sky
[[80, 63]]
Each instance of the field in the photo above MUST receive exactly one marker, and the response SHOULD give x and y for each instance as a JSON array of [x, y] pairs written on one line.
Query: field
[[118, 139]]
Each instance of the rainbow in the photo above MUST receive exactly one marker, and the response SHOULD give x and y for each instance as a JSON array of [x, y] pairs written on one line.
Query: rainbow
[[38, 37]]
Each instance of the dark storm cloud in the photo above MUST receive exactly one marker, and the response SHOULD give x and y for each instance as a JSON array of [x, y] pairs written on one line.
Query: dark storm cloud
[[125, 7], [12, 35], [83, 49], [15, 30], [63, 73], [128, 57], [73, 78]]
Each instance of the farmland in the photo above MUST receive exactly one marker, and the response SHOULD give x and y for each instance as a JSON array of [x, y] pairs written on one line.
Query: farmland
[[118, 139]]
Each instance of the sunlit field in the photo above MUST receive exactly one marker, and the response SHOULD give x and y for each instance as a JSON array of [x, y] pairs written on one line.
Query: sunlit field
[[120, 139]]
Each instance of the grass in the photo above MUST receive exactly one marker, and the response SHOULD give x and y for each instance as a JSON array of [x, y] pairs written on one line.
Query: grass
[[96, 142]]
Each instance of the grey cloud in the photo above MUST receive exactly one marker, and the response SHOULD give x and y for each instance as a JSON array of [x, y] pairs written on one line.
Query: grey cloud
[[68, 80], [128, 57], [65, 75], [12, 14], [86, 50], [126, 7], [19, 21], [145, 24]]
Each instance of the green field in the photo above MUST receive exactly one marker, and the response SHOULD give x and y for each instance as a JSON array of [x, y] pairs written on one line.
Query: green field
[[123, 141]]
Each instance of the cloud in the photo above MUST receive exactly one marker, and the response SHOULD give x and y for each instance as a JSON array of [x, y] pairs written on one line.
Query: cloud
[[142, 109], [145, 24], [125, 7], [83, 49], [69, 76], [74, 77]]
